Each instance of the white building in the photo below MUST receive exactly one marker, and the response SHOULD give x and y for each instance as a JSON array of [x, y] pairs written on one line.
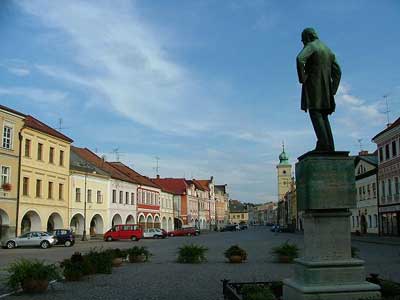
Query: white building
[[364, 218]]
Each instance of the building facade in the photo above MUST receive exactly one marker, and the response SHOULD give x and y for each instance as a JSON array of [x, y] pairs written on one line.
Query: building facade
[[11, 123], [388, 143], [364, 218], [284, 173], [238, 213], [44, 178], [221, 205]]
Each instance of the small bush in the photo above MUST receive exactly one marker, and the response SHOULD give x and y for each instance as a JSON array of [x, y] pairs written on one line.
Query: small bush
[[256, 292], [23, 269], [97, 262], [73, 268], [291, 251], [117, 253], [192, 254], [235, 250], [135, 253]]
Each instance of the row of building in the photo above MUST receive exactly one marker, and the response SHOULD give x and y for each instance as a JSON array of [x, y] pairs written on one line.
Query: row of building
[[48, 183], [377, 178]]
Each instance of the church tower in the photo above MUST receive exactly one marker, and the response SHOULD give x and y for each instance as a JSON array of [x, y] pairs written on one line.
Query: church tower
[[284, 169]]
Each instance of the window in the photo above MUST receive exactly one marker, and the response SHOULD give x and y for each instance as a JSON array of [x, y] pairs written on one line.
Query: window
[[387, 152], [5, 175], [352, 219], [99, 200], [60, 191], [360, 193], [25, 186], [51, 155], [61, 158], [383, 190], [114, 196], [40, 151], [389, 187], [369, 191], [121, 197], [50, 190], [396, 185], [363, 191], [394, 149], [78, 194], [7, 137], [38, 188], [27, 148], [369, 221], [132, 198], [89, 196], [358, 221], [374, 189], [375, 220], [380, 154]]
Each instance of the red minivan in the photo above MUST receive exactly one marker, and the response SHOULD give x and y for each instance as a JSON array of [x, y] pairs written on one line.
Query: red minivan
[[124, 232]]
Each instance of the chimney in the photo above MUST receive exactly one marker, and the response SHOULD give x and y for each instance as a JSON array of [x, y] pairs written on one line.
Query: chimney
[[158, 176], [363, 153]]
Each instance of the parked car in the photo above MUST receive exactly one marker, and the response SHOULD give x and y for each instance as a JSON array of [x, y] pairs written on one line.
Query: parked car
[[276, 228], [189, 231], [243, 226], [154, 233], [231, 227], [124, 232], [64, 237], [30, 239]]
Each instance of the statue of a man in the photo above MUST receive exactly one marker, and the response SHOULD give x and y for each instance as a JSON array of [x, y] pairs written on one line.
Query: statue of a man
[[320, 74]]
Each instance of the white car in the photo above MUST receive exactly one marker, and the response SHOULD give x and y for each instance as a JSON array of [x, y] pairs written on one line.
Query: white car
[[155, 233], [29, 239]]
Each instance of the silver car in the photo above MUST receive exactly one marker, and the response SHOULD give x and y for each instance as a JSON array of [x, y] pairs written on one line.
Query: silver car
[[155, 233], [29, 239]]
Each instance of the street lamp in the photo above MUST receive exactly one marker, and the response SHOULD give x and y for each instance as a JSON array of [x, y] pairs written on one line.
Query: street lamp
[[86, 167]]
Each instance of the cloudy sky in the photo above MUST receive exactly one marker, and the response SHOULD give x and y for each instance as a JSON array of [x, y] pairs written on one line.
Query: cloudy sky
[[207, 86]]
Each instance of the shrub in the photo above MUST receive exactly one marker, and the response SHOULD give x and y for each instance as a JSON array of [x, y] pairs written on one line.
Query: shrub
[[73, 268], [192, 254], [256, 292], [117, 253], [235, 250], [137, 254], [290, 251], [22, 270], [97, 262]]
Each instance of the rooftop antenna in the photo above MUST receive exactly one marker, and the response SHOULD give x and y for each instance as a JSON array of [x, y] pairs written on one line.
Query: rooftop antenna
[[387, 109], [116, 153], [60, 126], [157, 168], [360, 143]]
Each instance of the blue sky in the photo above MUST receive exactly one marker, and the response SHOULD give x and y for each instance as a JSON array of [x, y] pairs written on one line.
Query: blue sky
[[210, 87]]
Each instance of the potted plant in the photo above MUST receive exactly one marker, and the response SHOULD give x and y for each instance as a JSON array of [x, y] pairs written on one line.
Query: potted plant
[[256, 292], [138, 254], [235, 254], [286, 252], [192, 254], [74, 267], [97, 262], [118, 256], [6, 186], [33, 276]]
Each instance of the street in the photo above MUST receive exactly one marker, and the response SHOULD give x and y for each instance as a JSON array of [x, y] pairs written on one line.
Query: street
[[163, 278]]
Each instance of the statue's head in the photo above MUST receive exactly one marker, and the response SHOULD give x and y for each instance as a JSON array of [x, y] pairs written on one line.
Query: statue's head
[[308, 35]]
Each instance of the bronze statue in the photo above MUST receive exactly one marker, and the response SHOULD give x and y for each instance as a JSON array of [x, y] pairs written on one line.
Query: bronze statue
[[319, 73]]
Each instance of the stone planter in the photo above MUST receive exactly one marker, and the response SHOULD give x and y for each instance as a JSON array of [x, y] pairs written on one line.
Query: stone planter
[[137, 259], [235, 259], [117, 262], [285, 259], [77, 276], [35, 285]]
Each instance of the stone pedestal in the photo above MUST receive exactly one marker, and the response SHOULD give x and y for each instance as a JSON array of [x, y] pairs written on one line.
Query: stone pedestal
[[326, 191]]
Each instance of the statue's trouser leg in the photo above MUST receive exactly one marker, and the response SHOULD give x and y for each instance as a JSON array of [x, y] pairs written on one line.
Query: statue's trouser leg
[[322, 130]]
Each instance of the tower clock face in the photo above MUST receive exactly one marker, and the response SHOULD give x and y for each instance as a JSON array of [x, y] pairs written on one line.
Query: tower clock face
[[284, 171]]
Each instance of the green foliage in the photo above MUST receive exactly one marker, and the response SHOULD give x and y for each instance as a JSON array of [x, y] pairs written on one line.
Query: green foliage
[[286, 249], [136, 252], [256, 292], [97, 262], [235, 250], [24, 269], [73, 268], [192, 254], [117, 253], [354, 252]]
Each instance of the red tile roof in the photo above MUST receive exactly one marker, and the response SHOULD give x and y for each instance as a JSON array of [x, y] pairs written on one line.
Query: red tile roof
[[34, 123], [12, 111], [177, 186], [395, 124], [101, 164], [142, 180], [204, 183], [196, 184]]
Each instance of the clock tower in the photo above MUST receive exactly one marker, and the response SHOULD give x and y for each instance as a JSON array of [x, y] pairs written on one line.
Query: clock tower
[[284, 169]]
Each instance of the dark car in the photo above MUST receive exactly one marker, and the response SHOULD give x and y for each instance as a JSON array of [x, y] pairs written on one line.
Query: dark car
[[276, 228], [64, 237], [232, 227], [189, 231], [243, 226]]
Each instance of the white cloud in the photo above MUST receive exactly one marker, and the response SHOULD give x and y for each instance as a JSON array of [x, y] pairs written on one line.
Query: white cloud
[[19, 71], [124, 62], [16, 67], [38, 95]]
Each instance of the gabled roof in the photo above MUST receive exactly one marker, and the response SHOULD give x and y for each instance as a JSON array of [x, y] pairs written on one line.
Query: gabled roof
[[79, 163], [204, 183], [97, 161], [34, 123], [12, 111], [221, 188], [132, 174], [177, 186], [195, 183], [395, 124]]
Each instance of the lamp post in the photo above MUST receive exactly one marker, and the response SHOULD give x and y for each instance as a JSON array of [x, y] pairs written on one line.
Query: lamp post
[[86, 167]]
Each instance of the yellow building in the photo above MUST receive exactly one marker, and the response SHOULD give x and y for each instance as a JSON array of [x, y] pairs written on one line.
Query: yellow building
[[284, 175], [11, 123], [44, 178], [238, 213]]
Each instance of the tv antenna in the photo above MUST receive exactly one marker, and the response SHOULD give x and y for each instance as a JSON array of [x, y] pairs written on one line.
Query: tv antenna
[[157, 168], [60, 126], [117, 154], [387, 109], [360, 144]]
